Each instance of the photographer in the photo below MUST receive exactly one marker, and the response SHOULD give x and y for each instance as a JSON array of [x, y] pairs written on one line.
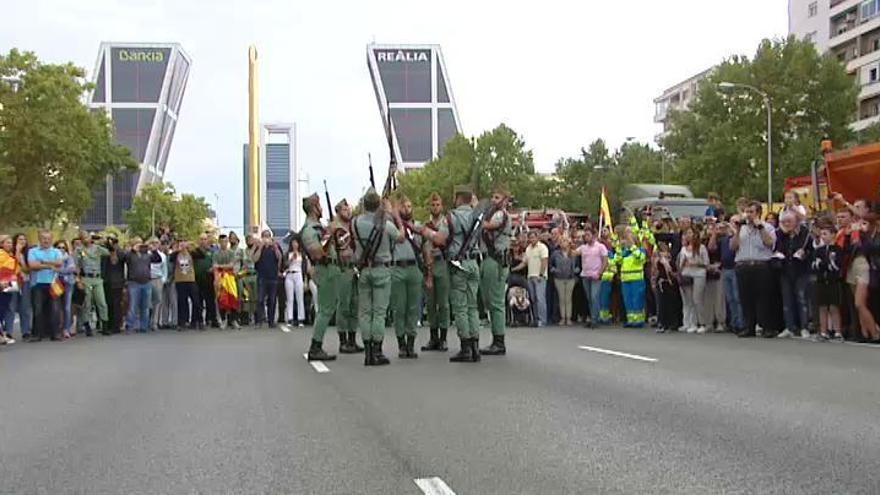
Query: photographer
[[753, 243], [113, 271]]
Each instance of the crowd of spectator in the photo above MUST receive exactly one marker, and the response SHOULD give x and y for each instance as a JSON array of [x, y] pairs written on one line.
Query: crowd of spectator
[[776, 275], [59, 290]]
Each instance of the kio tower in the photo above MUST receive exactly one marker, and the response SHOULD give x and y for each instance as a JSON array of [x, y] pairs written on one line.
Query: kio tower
[[411, 81], [140, 86]]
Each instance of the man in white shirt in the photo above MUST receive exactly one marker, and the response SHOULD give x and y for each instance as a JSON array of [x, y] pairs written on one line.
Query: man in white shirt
[[536, 259]]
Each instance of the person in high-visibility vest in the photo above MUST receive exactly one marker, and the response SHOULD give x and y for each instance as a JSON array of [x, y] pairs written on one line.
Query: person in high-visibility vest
[[612, 268], [632, 278]]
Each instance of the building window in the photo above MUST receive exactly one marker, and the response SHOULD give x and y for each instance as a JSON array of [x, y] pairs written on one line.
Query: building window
[[870, 9], [814, 9], [810, 37], [872, 75]]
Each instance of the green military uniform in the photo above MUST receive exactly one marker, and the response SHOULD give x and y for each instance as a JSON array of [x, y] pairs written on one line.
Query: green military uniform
[[346, 303], [374, 282], [464, 282], [247, 284], [493, 282], [438, 296], [406, 288], [327, 276], [88, 260]]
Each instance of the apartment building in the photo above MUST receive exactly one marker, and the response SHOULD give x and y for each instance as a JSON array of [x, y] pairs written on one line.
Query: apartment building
[[677, 97], [850, 30]]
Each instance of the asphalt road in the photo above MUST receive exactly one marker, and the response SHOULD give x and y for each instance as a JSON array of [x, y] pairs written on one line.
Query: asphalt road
[[243, 412]]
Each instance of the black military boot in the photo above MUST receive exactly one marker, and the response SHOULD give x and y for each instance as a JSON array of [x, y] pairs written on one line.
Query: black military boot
[[441, 345], [465, 355], [402, 351], [316, 353], [475, 350], [352, 341], [369, 358], [410, 344], [345, 346], [497, 347], [433, 342], [378, 357]]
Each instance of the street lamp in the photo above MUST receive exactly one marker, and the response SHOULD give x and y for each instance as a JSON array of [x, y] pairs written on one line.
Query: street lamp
[[729, 87]]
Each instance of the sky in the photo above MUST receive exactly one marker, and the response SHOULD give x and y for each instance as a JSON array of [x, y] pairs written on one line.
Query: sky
[[560, 73]]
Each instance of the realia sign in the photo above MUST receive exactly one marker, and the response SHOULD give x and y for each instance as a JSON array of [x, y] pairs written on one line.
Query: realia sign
[[402, 56]]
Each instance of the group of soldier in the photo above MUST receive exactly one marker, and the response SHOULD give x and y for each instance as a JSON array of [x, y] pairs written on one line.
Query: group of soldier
[[384, 257]]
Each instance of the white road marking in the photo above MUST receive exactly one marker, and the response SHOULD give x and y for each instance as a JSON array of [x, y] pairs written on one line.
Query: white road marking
[[285, 328], [618, 354], [319, 366], [433, 486]]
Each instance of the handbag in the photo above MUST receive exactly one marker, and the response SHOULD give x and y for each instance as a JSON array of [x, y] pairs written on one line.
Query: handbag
[[685, 280]]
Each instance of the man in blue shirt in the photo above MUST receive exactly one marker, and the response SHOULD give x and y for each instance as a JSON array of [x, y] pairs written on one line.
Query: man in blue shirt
[[44, 262], [719, 241]]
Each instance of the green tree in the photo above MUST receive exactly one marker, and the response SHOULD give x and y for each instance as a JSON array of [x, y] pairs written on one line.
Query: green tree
[[53, 150], [581, 179], [159, 205], [497, 156], [720, 143]]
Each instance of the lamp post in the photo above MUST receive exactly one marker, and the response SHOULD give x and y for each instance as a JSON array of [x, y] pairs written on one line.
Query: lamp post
[[729, 87]]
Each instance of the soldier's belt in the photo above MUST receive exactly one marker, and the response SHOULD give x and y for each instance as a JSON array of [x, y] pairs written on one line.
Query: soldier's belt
[[345, 264], [378, 264], [404, 263], [92, 275], [439, 257], [471, 256]]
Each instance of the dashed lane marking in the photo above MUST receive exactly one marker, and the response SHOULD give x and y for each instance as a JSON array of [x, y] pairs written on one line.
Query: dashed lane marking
[[319, 366], [618, 354], [433, 486]]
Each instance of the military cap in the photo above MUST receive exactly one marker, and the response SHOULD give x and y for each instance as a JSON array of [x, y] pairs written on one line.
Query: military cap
[[371, 200], [310, 201]]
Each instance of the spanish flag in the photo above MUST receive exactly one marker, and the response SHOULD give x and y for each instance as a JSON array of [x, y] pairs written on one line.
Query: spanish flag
[[604, 211]]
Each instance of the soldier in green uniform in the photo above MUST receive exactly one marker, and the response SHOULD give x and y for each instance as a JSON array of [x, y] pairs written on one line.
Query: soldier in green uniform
[[406, 280], [88, 260], [496, 263], [464, 278], [317, 245], [438, 290], [346, 305], [373, 238]]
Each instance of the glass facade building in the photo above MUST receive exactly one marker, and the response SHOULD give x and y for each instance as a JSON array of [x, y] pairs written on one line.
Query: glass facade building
[[279, 180], [140, 86], [412, 84]]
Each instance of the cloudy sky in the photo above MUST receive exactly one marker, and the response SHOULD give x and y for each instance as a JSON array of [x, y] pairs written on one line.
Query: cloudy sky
[[561, 73]]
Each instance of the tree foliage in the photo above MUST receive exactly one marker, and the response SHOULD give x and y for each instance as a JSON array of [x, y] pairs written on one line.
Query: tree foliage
[[581, 179], [184, 214], [53, 150], [720, 143], [498, 156]]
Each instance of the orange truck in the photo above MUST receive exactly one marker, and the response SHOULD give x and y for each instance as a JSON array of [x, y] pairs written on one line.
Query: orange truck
[[854, 172]]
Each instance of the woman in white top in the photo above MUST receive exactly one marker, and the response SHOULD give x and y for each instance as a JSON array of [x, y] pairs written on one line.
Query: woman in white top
[[293, 283], [692, 262]]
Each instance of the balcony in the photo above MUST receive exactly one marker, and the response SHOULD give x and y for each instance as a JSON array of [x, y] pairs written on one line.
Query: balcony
[[840, 6], [869, 90], [851, 34]]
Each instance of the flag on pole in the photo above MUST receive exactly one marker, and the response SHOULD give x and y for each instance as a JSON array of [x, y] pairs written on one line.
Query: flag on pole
[[604, 211]]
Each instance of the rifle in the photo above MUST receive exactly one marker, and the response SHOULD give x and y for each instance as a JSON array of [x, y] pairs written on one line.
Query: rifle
[[372, 180], [329, 204], [391, 180], [369, 249], [469, 236]]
